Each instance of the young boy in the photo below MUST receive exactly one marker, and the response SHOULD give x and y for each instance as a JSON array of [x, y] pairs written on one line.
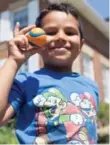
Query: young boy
[[53, 105]]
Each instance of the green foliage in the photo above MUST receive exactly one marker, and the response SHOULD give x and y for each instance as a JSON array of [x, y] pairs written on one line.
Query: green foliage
[[103, 139], [7, 135], [103, 120], [103, 114]]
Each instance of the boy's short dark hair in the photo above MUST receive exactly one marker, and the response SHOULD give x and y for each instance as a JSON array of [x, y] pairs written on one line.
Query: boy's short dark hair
[[63, 7]]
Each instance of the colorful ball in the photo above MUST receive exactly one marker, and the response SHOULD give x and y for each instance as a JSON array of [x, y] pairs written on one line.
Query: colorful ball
[[37, 37]]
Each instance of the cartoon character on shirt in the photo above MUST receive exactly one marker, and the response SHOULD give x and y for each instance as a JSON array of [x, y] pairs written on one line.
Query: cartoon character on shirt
[[87, 105], [67, 125], [61, 118], [85, 102], [52, 103], [81, 138]]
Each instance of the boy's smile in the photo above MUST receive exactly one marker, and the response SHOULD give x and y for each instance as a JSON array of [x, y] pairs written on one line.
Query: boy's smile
[[63, 39]]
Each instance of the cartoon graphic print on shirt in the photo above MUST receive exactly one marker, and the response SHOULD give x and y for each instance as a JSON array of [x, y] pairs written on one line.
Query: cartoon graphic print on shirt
[[81, 138], [87, 105], [65, 118]]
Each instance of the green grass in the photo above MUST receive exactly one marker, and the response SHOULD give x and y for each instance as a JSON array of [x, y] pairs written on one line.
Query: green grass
[[7, 135]]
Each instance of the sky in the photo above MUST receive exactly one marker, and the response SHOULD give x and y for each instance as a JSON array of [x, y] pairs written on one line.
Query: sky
[[101, 6]]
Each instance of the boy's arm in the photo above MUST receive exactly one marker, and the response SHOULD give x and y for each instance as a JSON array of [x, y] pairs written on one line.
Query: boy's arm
[[7, 74], [18, 52], [7, 115]]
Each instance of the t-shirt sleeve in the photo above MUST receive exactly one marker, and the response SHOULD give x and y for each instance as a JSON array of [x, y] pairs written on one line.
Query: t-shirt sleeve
[[17, 93]]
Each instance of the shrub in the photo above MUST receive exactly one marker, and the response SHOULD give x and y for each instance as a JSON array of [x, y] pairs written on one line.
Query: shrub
[[103, 123]]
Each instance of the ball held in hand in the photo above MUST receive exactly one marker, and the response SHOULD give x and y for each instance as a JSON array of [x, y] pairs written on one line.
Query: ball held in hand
[[37, 37]]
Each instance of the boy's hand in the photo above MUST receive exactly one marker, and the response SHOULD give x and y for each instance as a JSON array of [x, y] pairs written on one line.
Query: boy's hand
[[19, 48]]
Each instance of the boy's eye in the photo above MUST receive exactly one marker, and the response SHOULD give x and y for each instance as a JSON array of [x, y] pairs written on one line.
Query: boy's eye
[[51, 33], [70, 33]]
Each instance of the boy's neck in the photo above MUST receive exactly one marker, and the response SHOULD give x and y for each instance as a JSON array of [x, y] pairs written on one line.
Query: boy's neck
[[58, 68]]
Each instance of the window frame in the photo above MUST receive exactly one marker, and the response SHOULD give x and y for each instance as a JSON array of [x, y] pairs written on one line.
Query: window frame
[[105, 83], [25, 66], [85, 72]]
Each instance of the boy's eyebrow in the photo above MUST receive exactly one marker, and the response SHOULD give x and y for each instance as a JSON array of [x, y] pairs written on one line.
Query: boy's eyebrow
[[54, 27], [71, 27], [50, 26]]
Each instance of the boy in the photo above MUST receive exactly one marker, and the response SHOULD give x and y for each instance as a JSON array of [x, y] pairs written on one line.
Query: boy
[[53, 105]]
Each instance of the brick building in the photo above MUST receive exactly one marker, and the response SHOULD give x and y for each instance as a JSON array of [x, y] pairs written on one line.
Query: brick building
[[93, 62]]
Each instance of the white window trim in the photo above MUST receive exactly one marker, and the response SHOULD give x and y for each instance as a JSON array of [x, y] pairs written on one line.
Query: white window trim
[[105, 87], [91, 76]]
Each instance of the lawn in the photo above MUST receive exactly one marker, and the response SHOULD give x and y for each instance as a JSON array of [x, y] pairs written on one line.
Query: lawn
[[7, 135]]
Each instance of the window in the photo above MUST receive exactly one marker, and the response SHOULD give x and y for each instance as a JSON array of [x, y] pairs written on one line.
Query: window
[[88, 66], [105, 81], [21, 16]]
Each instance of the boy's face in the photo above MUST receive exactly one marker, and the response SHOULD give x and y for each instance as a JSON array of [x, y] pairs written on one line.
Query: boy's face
[[63, 39]]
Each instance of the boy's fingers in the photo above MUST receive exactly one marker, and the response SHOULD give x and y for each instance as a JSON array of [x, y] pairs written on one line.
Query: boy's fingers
[[16, 29], [21, 42], [27, 29], [31, 52]]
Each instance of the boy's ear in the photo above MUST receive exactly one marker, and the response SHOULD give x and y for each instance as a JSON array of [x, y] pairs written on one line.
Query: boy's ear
[[82, 42]]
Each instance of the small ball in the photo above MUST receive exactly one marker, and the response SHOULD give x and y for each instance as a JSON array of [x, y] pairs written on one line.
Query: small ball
[[37, 37]]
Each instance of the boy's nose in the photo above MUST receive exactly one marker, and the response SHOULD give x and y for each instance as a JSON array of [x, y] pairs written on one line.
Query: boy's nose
[[61, 36]]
